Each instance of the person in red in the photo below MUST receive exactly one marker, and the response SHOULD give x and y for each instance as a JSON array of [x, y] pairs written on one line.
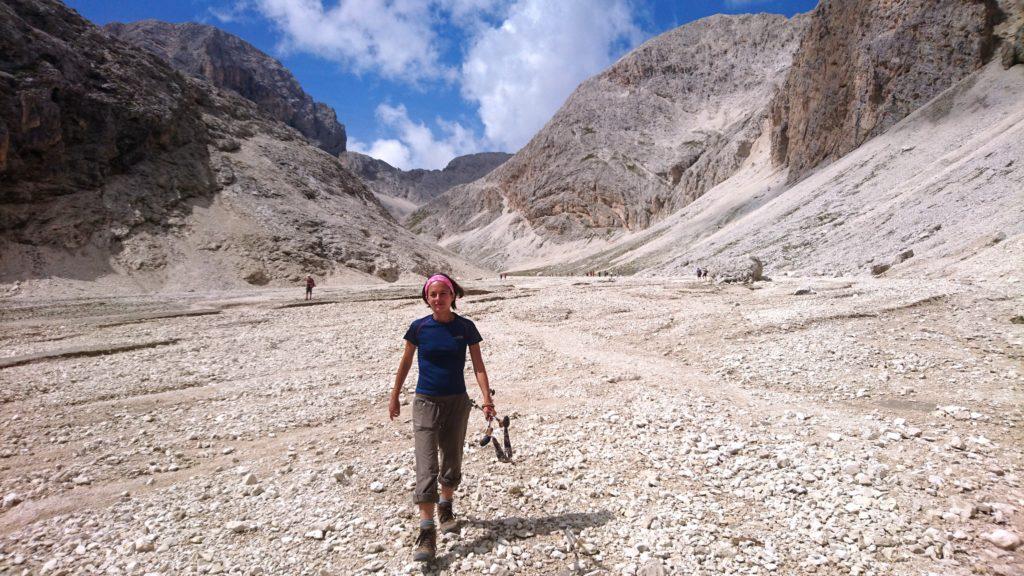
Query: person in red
[[440, 410], [309, 287]]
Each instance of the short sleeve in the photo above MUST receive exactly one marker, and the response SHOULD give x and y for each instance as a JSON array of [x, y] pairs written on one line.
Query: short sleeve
[[472, 334], [411, 334]]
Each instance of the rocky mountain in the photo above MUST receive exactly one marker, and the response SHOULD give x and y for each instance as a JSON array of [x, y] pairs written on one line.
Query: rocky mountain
[[631, 145], [638, 202], [402, 191], [864, 66], [228, 62], [115, 167], [935, 193]]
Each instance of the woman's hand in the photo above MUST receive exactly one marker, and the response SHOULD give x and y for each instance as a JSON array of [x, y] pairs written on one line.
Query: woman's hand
[[394, 407], [489, 411]]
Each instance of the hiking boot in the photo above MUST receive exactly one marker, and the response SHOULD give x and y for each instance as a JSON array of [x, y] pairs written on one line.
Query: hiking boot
[[426, 545], [446, 518]]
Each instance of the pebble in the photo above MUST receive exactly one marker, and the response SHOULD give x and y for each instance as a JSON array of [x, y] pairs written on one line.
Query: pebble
[[11, 499], [647, 482], [144, 545], [1003, 539], [237, 526]]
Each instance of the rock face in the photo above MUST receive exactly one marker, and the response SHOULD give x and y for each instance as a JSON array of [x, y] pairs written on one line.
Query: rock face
[[941, 185], [83, 124], [228, 62], [654, 131], [864, 65], [116, 166], [1013, 49], [419, 186]]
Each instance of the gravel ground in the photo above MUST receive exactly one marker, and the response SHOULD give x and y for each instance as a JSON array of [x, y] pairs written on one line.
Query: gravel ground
[[661, 427]]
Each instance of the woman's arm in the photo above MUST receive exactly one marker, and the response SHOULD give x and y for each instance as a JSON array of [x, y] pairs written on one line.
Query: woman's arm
[[481, 380], [394, 407]]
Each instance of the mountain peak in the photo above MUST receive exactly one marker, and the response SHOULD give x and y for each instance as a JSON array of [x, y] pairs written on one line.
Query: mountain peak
[[230, 63]]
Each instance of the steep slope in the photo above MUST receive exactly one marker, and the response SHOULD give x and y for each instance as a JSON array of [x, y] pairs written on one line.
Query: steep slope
[[864, 65], [945, 186], [402, 191], [114, 167], [228, 62], [635, 143]]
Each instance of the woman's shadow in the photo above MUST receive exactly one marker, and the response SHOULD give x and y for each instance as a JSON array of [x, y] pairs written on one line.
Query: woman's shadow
[[516, 528]]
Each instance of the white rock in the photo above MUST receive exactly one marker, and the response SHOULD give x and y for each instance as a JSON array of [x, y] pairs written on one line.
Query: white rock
[[237, 526], [962, 508], [1003, 539], [249, 479], [11, 500], [377, 487], [652, 568]]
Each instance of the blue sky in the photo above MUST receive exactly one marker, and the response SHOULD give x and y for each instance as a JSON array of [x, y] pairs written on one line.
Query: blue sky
[[418, 82]]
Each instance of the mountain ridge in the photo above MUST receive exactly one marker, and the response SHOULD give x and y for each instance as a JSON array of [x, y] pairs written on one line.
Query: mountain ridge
[[631, 145], [230, 63], [123, 174], [418, 186]]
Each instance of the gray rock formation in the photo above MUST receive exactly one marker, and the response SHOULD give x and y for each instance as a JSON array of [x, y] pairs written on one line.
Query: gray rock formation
[[864, 65], [93, 127], [114, 165], [418, 186], [746, 270], [1013, 46], [228, 62], [654, 131]]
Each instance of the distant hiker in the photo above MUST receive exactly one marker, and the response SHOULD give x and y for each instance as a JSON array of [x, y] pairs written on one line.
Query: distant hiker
[[310, 283], [440, 409], [699, 273]]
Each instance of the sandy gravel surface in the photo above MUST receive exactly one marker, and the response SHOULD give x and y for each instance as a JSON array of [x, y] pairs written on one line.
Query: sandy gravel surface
[[661, 426]]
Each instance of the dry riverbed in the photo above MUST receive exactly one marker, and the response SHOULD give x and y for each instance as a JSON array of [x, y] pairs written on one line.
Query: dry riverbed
[[660, 426]]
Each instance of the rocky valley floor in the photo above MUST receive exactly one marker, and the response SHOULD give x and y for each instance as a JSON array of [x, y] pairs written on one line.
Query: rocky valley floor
[[660, 426]]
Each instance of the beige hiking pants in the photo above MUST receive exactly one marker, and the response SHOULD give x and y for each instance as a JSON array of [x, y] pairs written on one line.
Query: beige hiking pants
[[439, 424]]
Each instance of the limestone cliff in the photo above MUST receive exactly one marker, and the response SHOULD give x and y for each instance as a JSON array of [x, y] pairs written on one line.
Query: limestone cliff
[[864, 65], [631, 145], [115, 166], [228, 62]]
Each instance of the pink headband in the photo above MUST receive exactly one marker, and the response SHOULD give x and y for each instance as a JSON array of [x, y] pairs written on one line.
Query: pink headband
[[442, 280]]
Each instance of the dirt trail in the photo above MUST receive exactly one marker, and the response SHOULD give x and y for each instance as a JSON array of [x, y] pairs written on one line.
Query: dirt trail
[[711, 420]]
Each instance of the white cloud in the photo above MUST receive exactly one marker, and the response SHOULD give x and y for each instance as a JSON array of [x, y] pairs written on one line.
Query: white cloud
[[524, 58], [414, 144], [522, 71], [394, 38], [237, 12]]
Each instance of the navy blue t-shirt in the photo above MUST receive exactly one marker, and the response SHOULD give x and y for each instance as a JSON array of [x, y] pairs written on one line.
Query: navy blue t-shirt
[[441, 352]]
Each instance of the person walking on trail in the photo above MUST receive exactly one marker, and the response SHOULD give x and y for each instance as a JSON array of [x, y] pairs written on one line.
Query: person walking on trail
[[310, 283], [440, 410]]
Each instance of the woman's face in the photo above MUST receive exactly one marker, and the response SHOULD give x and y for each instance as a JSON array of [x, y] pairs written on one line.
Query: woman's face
[[439, 297]]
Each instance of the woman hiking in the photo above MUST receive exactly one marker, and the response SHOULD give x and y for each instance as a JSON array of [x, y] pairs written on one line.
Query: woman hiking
[[440, 410]]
